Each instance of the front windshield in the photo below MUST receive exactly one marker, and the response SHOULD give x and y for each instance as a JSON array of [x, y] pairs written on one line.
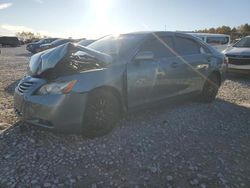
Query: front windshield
[[85, 42], [243, 43], [59, 41], [41, 41], [116, 45]]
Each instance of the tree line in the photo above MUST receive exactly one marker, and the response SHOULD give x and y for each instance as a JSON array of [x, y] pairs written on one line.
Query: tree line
[[235, 32], [30, 36]]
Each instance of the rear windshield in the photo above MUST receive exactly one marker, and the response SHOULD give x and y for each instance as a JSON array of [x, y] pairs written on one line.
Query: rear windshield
[[217, 40], [243, 43]]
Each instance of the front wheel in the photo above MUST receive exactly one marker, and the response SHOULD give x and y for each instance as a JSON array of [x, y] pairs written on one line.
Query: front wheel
[[102, 113], [210, 89]]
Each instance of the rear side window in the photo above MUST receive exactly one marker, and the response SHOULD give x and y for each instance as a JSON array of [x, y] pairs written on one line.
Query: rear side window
[[217, 40], [161, 47], [186, 46]]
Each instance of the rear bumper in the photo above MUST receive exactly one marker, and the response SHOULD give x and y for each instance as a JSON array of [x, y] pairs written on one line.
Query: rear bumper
[[58, 112]]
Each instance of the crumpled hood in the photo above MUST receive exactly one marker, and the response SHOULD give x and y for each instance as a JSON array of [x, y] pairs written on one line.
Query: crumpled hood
[[48, 59], [237, 51]]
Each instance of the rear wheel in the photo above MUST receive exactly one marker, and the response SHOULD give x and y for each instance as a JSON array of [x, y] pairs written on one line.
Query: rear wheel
[[102, 113], [210, 89]]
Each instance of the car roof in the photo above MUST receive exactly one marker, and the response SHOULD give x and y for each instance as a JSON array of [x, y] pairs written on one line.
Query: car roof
[[151, 32], [209, 34], [159, 33]]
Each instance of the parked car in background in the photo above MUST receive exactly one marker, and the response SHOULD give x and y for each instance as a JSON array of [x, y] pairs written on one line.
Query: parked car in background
[[9, 41], [219, 41], [235, 41], [86, 42], [54, 44], [34, 46], [68, 91], [21, 41], [239, 55]]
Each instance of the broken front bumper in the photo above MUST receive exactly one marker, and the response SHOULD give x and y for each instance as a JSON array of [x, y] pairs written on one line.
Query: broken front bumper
[[58, 112]]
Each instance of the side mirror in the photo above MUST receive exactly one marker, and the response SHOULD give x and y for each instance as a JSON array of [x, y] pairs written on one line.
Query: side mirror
[[146, 55]]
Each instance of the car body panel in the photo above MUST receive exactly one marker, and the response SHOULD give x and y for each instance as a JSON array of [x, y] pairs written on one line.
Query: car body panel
[[137, 83]]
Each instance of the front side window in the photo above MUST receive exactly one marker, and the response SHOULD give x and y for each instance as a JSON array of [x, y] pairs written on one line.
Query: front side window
[[161, 47], [186, 46]]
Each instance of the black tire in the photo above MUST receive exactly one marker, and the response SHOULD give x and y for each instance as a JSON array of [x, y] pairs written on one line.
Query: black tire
[[102, 113], [210, 89]]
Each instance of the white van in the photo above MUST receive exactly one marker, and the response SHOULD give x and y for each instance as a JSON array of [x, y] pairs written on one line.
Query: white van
[[219, 41]]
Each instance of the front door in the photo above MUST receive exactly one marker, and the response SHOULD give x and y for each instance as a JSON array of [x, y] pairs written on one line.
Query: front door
[[141, 80], [144, 77]]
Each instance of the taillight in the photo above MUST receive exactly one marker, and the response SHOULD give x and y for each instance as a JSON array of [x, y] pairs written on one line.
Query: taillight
[[226, 60]]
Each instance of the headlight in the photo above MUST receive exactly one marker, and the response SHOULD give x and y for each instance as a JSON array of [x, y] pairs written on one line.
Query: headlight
[[56, 88]]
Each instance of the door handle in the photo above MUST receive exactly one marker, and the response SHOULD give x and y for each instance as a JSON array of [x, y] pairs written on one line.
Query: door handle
[[174, 64]]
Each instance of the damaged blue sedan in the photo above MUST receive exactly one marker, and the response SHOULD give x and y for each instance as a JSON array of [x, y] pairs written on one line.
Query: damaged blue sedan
[[73, 88]]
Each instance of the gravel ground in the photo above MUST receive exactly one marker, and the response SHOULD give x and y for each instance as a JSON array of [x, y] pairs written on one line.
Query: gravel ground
[[179, 145]]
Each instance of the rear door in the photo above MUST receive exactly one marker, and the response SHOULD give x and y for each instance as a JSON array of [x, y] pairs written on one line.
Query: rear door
[[156, 79], [193, 62], [169, 71]]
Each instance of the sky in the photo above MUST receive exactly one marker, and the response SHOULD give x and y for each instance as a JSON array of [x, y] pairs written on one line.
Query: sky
[[96, 18]]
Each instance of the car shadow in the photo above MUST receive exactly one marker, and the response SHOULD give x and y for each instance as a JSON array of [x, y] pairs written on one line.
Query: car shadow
[[152, 111], [10, 89], [25, 54]]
